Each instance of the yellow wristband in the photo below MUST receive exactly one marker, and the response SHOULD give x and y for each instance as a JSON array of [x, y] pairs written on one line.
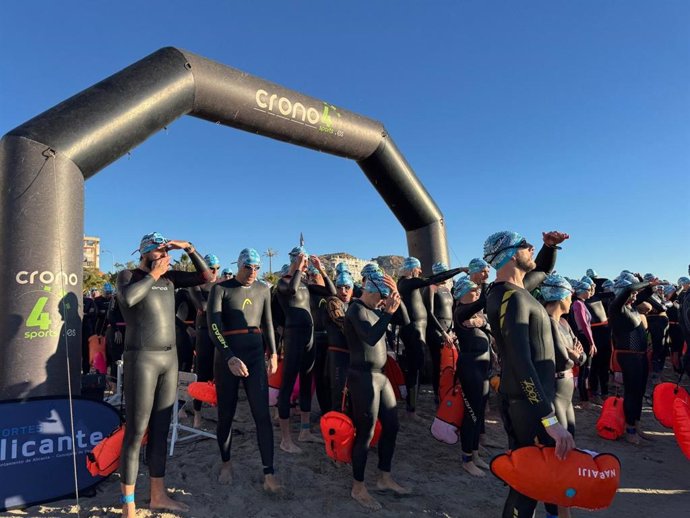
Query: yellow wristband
[[549, 421]]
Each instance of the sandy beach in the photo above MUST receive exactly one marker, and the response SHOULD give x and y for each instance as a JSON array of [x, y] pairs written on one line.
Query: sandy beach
[[655, 476]]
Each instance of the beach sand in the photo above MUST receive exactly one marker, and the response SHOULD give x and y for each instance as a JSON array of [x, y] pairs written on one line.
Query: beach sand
[[655, 476]]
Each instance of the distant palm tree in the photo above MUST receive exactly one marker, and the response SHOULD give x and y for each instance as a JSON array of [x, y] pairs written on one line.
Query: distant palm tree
[[183, 264]]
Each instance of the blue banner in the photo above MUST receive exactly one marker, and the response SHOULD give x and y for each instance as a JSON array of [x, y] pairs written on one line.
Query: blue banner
[[38, 441]]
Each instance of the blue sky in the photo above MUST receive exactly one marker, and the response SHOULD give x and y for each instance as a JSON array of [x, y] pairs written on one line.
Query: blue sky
[[527, 116]]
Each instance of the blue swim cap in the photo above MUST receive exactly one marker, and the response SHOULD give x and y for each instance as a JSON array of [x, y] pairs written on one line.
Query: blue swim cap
[[625, 274], [683, 280], [669, 288], [294, 253], [477, 265], [226, 271], [344, 279], [285, 270], [311, 270], [587, 280], [555, 288], [151, 242], [108, 288], [648, 277], [248, 257], [369, 269], [591, 273], [411, 262], [439, 267], [462, 287], [607, 285], [212, 261], [500, 247], [621, 283], [376, 284], [342, 267]]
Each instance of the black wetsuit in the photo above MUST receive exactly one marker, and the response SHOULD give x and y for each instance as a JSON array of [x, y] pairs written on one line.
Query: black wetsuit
[[117, 326], [601, 331], [414, 333], [338, 353], [675, 334], [185, 316], [657, 325], [237, 317], [203, 346], [371, 393], [564, 339], [323, 390], [88, 326], [474, 364], [522, 330], [630, 342], [583, 330], [684, 319], [439, 305], [150, 361], [294, 297]]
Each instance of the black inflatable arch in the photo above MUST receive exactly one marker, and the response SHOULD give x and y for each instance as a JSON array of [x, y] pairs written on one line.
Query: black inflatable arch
[[44, 162]]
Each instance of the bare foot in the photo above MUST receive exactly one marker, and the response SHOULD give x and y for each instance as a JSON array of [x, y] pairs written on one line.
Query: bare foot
[[307, 436], [386, 483], [472, 469], [129, 510], [197, 420], [167, 503], [477, 460], [289, 446], [644, 435], [632, 438], [271, 485], [362, 496], [413, 417], [225, 474]]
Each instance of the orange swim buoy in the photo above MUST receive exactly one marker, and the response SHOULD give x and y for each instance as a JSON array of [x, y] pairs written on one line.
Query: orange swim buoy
[[96, 346], [449, 357], [274, 382], [339, 433], [449, 416], [495, 382], [446, 380], [611, 422], [104, 459], [204, 391], [662, 401], [584, 479], [681, 424], [395, 375]]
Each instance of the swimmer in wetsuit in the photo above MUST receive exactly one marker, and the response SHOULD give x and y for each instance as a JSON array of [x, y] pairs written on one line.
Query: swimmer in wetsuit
[[523, 334], [414, 333], [147, 300], [601, 332], [630, 341], [371, 393], [239, 320], [474, 363], [439, 306], [294, 295], [557, 294], [658, 323], [581, 323], [320, 374], [203, 359], [338, 353]]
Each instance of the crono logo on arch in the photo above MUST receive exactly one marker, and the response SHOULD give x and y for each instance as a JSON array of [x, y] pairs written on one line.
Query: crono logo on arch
[[46, 278], [283, 107]]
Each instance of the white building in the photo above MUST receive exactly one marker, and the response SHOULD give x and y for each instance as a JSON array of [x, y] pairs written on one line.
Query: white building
[[92, 252]]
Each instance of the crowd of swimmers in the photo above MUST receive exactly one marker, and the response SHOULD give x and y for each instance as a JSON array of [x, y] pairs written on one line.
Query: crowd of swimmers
[[530, 326]]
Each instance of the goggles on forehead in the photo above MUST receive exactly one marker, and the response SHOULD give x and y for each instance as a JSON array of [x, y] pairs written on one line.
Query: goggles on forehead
[[558, 286]]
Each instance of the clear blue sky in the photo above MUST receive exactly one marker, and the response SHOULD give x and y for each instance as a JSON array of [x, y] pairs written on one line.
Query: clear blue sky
[[527, 116]]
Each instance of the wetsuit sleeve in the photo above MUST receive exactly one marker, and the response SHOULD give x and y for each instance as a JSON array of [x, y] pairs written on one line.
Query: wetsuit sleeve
[[466, 311], [323, 291], [401, 317], [581, 321], [202, 274], [131, 293], [267, 324], [214, 318], [616, 305], [197, 299], [420, 282], [369, 333], [335, 312], [514, 323], [546, 262]]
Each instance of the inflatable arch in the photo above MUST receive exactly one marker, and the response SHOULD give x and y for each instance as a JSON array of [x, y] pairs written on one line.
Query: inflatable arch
[[44, 162]]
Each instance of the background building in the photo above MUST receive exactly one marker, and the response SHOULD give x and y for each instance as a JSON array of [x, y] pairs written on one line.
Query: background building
[[92, 252], [388, 263]]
